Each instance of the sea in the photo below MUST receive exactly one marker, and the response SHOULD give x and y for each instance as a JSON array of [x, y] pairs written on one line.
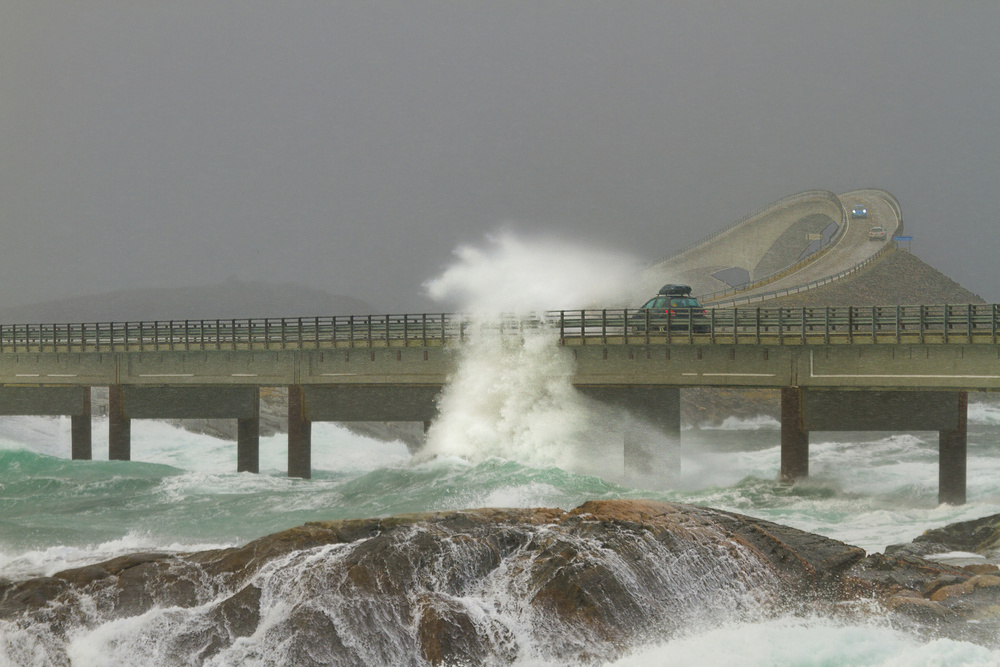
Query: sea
[[180, 493]]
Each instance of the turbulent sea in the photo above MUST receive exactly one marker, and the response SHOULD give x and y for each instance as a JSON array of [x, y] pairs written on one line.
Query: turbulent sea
[[180, 493]]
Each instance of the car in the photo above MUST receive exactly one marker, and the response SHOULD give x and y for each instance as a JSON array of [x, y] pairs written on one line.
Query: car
[[674, 308], [859, 212], [876, 233]]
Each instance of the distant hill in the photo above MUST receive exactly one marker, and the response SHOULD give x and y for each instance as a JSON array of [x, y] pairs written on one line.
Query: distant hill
[[228, 300], [898, 278]]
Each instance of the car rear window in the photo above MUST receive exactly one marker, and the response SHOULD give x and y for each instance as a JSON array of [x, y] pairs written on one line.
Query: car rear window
[[685, 303]]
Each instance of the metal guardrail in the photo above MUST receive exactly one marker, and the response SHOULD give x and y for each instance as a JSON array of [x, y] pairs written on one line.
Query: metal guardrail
[[954, 324]]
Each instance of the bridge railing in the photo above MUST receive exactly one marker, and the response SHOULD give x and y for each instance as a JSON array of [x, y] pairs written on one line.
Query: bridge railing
[[975, 323]]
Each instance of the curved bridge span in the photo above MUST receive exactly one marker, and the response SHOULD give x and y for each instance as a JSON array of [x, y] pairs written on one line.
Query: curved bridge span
[[806, 239]]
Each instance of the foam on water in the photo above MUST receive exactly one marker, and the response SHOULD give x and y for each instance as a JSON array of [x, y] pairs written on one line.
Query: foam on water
[[48, 561], [984, 413], [744, 424], [808, 642]]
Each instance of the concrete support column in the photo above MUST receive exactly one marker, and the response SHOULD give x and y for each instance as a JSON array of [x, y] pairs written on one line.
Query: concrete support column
[[299, 435], [952, 446], [248, 440], [794, 437], [82, 441], [119, 426]]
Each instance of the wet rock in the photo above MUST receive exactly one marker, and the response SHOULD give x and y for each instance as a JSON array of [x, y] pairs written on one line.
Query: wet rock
[[921, 610], [451, 633], [468, 587], [29, 595], [978, 536]]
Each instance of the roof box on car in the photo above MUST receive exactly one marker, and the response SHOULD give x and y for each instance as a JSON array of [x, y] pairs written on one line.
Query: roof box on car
[[675, 290]]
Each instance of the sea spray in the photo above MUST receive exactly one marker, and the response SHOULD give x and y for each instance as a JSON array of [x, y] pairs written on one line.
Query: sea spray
[[520, 275], [512, 394], [512, 397]]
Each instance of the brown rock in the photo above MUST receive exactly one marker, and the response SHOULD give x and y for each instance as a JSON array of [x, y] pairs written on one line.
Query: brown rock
[[449, 635], [954, 590], [920, 609]]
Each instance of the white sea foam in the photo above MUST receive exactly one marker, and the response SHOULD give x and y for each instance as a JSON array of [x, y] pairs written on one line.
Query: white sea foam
[[46, 562], [810, 641], [44, 435], [757, 423], [984, 413]]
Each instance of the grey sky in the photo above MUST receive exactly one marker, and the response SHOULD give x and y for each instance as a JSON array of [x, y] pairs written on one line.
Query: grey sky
[[351, 146]]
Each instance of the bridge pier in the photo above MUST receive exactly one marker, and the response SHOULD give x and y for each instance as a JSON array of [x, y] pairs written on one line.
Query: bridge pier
[[794, 437], [80, 432], [248, 439], [952, 456], [119, 426], [299, 434]]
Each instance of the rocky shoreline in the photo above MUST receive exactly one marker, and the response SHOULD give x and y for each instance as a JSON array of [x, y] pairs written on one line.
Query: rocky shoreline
[[479, 586]]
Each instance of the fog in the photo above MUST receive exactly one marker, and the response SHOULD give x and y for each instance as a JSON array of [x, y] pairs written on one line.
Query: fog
[[354, 146]]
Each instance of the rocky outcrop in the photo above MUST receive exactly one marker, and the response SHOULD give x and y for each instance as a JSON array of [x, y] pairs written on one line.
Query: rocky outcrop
[[490, 586]]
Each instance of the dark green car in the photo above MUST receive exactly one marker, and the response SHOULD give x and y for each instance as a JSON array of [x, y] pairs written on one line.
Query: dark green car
[[673, 308]]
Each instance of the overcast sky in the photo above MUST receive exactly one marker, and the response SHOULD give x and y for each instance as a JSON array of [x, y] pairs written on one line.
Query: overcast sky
[[352, 146]]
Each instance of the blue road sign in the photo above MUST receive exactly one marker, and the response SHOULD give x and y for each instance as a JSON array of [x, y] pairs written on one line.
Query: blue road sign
[[902, 238]]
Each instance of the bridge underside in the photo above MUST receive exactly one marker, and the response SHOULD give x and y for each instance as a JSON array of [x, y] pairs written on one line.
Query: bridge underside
[[803, 410]]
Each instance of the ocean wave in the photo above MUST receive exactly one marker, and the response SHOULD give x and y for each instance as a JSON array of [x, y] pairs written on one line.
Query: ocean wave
[[48, 561], [984, 414], [757, 423], [810, 641]]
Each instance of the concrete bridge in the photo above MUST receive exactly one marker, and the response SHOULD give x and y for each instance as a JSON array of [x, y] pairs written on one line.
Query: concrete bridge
[[870, 368]]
